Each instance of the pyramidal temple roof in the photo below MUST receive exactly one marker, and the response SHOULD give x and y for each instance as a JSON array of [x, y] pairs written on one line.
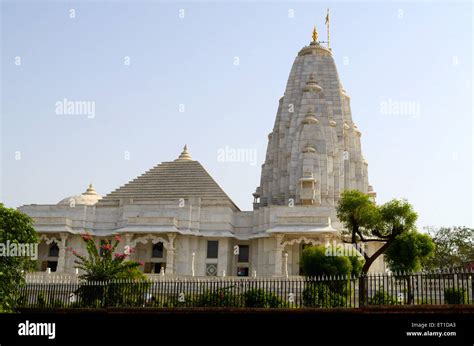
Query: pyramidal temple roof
[[181, 178]]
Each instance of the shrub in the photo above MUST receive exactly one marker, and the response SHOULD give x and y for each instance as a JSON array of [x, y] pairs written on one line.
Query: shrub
[[127, 293], [382, 298], [320, 295], [315, 262], [181, 300], [58, 304], [425, 301], [90, 294], [220, 298], [22, 300], [259, 298], [41, 299], [455, 296]]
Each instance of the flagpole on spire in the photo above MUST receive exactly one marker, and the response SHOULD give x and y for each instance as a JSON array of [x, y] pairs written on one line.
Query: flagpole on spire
[[327, 26]]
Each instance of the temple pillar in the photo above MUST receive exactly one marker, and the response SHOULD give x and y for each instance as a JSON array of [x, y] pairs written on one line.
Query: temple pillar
[[62, 253], [278, 255], [170, 254], [128, 242]]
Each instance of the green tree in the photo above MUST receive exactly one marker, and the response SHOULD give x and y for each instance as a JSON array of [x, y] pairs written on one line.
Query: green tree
[[367, 222], [407, 253], [454, 247], [15, 228]]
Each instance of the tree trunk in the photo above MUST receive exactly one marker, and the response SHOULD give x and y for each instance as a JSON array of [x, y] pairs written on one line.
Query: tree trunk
[[363, 280]]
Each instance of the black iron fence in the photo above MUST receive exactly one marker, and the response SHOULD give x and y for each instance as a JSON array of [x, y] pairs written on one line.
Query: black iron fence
[[294, 292]]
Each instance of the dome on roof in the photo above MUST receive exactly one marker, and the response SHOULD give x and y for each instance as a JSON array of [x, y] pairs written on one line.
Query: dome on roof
[[90, 197]]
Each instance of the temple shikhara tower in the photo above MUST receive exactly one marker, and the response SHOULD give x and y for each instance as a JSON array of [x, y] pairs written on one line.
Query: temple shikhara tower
[[179, 219], [314, 151]]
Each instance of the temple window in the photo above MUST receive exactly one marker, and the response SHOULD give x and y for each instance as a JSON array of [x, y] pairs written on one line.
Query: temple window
[[212, 248], [157, 250], [243, 253], [53, 250]]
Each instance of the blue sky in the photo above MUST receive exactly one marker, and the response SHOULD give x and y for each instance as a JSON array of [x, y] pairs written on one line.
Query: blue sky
[[417, 53]]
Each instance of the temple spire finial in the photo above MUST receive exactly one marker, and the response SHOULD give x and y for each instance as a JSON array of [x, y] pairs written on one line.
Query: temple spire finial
[[90, 190], [315, 34], [184, 156]]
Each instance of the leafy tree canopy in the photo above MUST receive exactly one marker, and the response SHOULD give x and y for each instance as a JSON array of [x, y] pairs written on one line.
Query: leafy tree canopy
[[15, 228], [367, 222], [454, 247], [408, 251]]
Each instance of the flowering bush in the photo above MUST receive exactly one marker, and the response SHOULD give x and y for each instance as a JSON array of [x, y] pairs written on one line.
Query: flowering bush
[[102, 264]]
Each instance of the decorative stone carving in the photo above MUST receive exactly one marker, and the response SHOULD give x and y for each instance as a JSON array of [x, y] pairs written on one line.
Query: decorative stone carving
[[309, 149], [150, 237], [312, 85], [302, 239], [310, 118], [48, 240]]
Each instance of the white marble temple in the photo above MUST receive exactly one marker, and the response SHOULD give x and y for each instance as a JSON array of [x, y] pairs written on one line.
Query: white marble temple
[[176, 209]]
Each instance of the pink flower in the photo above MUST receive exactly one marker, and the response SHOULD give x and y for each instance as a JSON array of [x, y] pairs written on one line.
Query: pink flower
[[120, 256], [141, 263], [107, 247], [86, 237], [118, 238]]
